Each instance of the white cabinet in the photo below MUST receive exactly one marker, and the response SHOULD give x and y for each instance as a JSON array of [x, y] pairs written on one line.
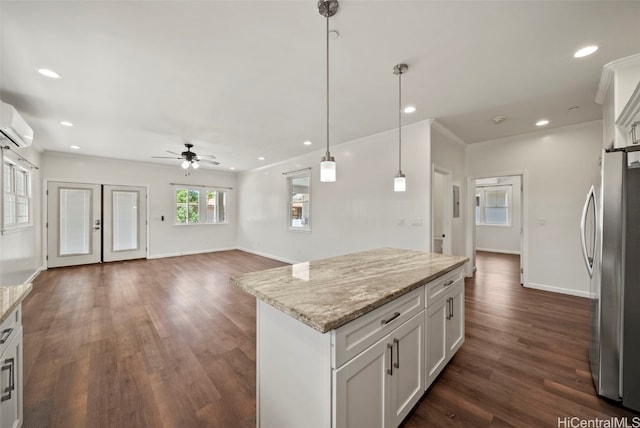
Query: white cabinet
[[379, 387], [11, 371], [444, 334], [455, 319]]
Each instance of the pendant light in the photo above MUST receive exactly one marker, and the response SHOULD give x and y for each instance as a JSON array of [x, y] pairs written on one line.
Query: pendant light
[[400, 181], [328, 8]]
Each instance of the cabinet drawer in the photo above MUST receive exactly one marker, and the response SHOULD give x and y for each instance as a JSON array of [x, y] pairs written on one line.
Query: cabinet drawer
[[9, 328], [439, 286], [356, 336]]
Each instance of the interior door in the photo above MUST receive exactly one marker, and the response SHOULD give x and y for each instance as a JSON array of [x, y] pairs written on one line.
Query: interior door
[[125, 218], [74, 232]]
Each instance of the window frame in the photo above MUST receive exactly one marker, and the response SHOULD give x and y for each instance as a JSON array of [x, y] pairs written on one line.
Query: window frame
[[24, 198], [202, 204], [290, 203], [481, 193]]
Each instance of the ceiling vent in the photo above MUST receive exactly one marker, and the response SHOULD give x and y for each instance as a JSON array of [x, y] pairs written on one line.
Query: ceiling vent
[[13, 127]]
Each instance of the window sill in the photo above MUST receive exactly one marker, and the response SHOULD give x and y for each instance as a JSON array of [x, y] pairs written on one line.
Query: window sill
[[15, 229], [201, 224], [299, 229]]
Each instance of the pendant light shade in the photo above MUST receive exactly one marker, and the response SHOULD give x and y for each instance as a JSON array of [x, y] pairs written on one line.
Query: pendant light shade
[[400, 181], [185, 164], [328, 169], [328, 8], [195, 165]]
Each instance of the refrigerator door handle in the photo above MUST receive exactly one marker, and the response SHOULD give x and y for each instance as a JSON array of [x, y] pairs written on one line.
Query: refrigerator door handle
[[591, 196]]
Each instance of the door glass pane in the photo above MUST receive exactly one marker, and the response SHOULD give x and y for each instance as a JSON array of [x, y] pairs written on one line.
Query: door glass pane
[[125, 220], [75, 221]]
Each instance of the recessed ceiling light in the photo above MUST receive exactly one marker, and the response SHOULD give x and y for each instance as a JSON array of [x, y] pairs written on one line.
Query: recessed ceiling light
[[261, 158], [585, 51], [307, 143], [232, 167], [66, 123], [409, 109], [542, 122], [49, 73], [74, 147]]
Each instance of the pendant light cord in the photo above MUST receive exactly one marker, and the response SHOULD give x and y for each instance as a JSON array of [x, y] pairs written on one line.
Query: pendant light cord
[[400, 122], [328, 87]]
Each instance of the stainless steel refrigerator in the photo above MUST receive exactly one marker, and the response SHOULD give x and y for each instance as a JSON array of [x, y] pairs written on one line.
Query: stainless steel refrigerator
[[610, 236]]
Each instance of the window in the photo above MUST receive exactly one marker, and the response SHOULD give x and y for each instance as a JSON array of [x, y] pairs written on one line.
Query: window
[[493, 205], [16, 195], [299, 205], [200, 206]]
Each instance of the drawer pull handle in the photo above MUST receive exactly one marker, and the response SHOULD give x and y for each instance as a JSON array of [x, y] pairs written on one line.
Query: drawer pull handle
[[397, 363], [387, 321], [5, 335], [390, 369], [448, 283], [9, 365]]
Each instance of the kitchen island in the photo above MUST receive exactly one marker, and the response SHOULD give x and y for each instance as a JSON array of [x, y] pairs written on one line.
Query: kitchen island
[[353, 340]]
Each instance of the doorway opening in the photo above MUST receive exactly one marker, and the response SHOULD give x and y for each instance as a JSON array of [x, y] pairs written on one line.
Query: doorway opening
[[498, 220], [441, 210], [94, 223]]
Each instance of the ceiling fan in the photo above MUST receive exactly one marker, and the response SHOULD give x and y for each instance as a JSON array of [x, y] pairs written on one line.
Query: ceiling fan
[[189, 158]]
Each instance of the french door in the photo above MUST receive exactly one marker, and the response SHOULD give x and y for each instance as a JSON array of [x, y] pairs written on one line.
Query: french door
[[91, 223]]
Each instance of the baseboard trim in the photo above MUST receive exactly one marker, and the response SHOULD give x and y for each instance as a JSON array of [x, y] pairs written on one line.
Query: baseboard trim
[[269, 256], [34, 275], [493, 250], [189, 253], [560, 290]]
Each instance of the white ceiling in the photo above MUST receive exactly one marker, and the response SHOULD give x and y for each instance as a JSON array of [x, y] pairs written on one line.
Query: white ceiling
[[243, 79]]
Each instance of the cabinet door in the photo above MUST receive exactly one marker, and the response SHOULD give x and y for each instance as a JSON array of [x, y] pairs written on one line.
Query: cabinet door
[[11, 383], [361, 387], [407, 380], [435, 339], [455, 323]]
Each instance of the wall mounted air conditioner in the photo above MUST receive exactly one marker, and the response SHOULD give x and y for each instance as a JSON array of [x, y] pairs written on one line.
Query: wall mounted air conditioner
[[13, 127]]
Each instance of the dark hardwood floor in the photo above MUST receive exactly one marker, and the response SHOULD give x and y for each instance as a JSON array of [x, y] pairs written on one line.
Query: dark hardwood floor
[[167, 343]]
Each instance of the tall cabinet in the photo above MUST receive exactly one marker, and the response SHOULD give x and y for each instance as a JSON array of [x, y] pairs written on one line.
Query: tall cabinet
[[619, 94]]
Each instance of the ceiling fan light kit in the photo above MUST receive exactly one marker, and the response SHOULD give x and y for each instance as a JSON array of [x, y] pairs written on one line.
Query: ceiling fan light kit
[[189, 158]]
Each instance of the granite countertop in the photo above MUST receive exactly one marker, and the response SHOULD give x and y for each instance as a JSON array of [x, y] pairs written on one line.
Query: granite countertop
[[326, 294], [11, 296]]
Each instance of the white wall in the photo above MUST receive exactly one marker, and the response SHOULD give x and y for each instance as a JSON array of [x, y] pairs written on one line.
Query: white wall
[[165, 238], [359, 211], [503, 239], [21, 248], [449, 152], [559, 164]]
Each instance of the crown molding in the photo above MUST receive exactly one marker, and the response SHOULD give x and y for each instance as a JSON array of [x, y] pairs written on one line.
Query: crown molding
[[447, 133], [630, 110], [608, 71]]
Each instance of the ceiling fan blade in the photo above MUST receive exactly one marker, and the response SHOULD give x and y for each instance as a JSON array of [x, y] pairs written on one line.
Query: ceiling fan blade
[[165, 157], [173, 153], [207, 156], [209, 162]]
